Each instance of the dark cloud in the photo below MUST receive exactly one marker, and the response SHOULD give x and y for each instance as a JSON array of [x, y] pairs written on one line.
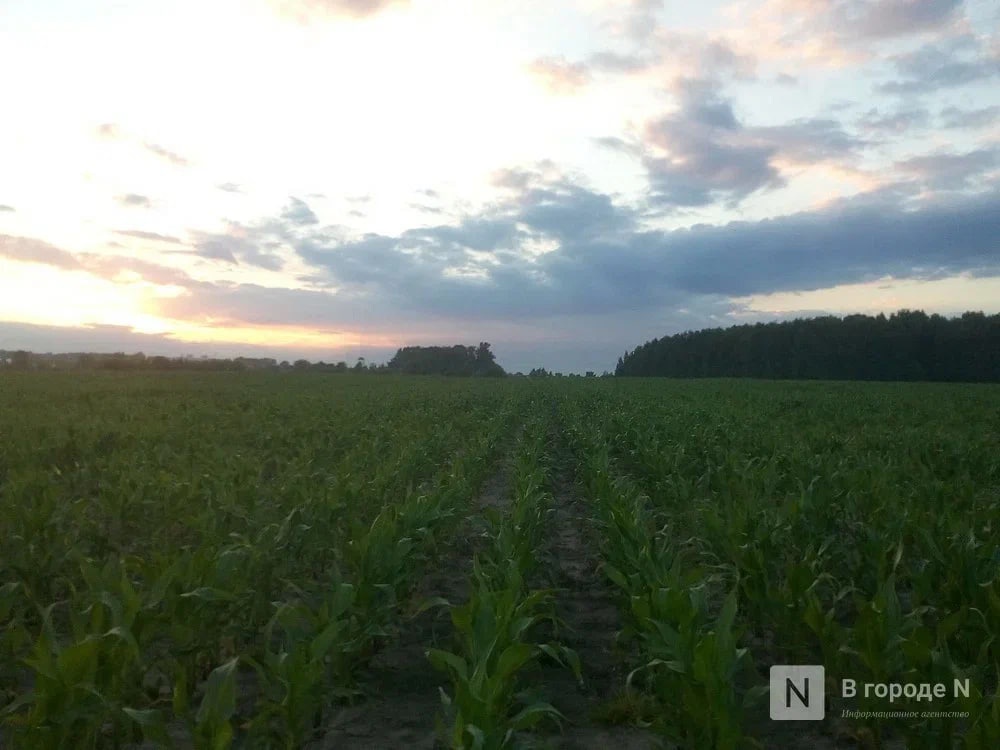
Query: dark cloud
[[809, 140], [479, 233], [698, 154], [952, 117], [611, 265], [170, 156], [297, 212], [942, 65], [135, 200], [950, 171], [568, 212], [152, 236], [702, 153], [239, 245], [852, 243], [6, 208], [217, 246], [638, 278], [257, 244]]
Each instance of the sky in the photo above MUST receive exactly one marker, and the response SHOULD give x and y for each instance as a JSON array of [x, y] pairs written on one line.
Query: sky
[[331, 179]]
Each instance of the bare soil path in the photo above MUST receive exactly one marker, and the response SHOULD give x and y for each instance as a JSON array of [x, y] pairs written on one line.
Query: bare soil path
[[401, 699], [585, 603]]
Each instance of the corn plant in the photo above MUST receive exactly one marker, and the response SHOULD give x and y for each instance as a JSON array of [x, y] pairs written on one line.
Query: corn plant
[[494, 645]]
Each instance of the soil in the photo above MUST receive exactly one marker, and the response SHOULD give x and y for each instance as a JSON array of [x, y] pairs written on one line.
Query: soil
[[402, 698], [588, 611]]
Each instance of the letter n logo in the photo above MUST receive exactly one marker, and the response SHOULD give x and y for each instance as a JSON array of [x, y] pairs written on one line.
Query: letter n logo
[[798, 692]]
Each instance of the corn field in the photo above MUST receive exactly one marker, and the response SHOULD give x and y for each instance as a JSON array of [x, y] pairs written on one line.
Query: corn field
[[219, 561]]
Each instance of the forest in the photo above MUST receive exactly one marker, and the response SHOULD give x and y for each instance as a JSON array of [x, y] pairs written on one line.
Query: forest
[[907, 345]]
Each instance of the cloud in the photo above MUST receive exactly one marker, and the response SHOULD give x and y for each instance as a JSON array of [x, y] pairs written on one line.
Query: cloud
[[298, 212], [856, 22], [152, 236], [953, 117], [611, 265], [942, 65], [28, 250], [702, 153], [5, 208], [252, 245], [660, 55], [386, 282], [112, 266], [307, 10], [230, 187], [568, 212], [134, 200], [559, 75], [252, 304], [880, 19], [833, 33], [809, 140], [950, 171], [170, 156], [894, 123]]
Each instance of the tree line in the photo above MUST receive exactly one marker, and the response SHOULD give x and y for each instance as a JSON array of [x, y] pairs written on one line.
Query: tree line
[[119, 361], [410, 360], [907, 345]]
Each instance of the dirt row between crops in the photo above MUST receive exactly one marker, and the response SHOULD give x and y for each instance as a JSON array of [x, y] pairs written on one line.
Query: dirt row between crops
[[401, 699], [586, 605]]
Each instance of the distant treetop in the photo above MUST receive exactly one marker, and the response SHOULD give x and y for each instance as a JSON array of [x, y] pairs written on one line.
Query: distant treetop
[[446, 360]]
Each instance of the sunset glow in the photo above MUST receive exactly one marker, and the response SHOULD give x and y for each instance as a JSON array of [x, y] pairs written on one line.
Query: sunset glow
[[321, 178]]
